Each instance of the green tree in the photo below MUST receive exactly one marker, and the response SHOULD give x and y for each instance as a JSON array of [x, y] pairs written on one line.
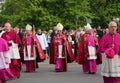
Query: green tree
[[45, 13], [104, 11]]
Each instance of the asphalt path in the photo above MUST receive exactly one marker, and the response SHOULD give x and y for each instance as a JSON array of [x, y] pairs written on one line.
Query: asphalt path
[[46, 74]]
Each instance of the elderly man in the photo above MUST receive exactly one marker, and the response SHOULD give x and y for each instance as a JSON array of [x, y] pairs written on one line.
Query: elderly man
[[61, 51], [5, 72], [13, 41], [31, 50], [109, 47], [86, 54]]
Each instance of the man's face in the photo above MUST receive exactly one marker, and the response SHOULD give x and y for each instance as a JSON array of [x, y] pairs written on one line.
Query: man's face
[[16, 29], [112, 27], [7, 26], [39, 31], [59, 31], [28, 31]]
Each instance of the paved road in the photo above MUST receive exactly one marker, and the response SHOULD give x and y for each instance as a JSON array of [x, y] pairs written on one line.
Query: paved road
[[46, 74]]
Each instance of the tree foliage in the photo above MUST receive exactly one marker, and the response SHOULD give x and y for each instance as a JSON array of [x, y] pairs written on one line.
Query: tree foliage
[[104, 11], [47, 13]]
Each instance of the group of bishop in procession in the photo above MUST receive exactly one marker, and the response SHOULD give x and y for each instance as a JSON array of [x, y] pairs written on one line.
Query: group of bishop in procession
[[87, 46]]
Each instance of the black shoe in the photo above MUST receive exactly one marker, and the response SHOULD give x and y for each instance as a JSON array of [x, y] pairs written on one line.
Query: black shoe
[[18, 76], [91, 72], [57, 70], [4, 82]]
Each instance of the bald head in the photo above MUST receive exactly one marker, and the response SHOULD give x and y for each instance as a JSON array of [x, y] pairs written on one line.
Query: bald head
[[112, 23], [112, 27], [7, 26]]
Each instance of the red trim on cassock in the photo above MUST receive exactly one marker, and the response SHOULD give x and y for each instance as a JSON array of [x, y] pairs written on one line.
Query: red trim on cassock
[[82, 53], [54, 50], [40, 54]]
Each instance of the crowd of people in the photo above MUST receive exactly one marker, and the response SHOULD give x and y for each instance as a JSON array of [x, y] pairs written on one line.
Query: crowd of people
[[87, 46]]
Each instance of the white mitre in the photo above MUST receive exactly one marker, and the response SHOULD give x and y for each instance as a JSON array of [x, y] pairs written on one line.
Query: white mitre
[[59, 26], [88, 27], [28, 27]]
